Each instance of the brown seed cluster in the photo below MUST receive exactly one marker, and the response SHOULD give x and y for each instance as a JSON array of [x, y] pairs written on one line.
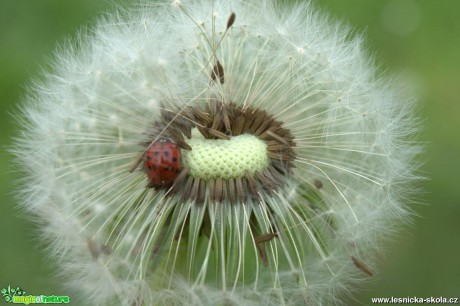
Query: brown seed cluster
[[219, 120]]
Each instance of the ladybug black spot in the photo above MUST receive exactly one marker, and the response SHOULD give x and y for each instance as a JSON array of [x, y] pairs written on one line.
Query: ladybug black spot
[[156, 153], [165, 168], [165, 153], [174, 159]]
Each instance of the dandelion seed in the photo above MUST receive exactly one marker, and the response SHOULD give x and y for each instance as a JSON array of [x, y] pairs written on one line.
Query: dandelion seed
[[361, 265], [216, 153]]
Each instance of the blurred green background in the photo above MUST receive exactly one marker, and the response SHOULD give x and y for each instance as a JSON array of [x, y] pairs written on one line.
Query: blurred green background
[[420, 38]]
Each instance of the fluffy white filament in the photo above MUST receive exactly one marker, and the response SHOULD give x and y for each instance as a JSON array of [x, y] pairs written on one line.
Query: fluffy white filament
[[83, 124]]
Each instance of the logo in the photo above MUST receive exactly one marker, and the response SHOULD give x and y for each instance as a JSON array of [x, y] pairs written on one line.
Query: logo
[[18, 296]]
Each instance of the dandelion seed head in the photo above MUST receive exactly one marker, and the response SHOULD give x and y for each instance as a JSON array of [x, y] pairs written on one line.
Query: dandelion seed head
[[296, 156]]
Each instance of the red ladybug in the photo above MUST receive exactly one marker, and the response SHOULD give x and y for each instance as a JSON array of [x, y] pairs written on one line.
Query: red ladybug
[[162, 163]]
